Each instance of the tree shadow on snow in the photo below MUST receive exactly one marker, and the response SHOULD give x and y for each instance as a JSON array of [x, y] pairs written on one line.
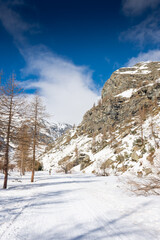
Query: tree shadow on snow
[[117, 228], [37, 185], [14, 206]]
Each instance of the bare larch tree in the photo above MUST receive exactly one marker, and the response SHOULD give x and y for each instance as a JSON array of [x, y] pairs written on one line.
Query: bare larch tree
[[37, 116], [10, 106], [22, 153]]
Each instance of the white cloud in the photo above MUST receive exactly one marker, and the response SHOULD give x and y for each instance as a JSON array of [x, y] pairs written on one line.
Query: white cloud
[[152, 55], [68, 89], [136, 7], [144, 32]]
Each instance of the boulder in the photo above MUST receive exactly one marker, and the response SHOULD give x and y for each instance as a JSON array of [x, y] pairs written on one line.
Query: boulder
[[134, 156]]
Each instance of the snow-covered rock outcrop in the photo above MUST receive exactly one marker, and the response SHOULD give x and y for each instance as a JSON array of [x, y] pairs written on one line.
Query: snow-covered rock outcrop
[[121, 133]]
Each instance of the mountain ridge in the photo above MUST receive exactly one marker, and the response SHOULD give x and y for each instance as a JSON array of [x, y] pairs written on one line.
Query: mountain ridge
[[116, 135]]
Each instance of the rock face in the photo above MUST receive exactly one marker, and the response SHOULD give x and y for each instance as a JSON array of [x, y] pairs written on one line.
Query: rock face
[[124, 93], [120, 132]]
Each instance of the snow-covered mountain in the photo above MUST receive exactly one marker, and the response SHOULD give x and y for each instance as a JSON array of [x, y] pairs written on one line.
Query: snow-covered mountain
[[121, 133], [51, 131], [48, 134]]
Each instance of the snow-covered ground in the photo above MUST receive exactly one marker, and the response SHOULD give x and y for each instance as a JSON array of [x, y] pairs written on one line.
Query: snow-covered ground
[[75, 207]]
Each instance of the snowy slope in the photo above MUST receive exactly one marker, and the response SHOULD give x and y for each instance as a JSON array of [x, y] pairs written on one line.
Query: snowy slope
[[70, 207], [84, 145]]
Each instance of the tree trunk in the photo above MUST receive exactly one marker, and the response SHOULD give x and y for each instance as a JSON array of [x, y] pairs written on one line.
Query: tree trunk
[[34, 149], [33, 161], [5, 170], [32, 177], [22, 164], [33, 164], [6, 161]]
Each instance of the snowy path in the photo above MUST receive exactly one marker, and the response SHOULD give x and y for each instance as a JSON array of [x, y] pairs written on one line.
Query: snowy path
[[75, 207]]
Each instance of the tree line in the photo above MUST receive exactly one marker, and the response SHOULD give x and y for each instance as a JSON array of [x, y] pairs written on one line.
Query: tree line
[[20, 125]]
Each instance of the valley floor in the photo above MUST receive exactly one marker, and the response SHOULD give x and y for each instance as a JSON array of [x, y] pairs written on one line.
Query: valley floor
[[75, 207]]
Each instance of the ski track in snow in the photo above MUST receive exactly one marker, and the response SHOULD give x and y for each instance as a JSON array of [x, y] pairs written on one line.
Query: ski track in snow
[[76, 207]]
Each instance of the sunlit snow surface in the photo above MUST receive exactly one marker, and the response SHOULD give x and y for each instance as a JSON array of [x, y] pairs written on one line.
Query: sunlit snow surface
[[127, 94], [76, 207], [142, 69]]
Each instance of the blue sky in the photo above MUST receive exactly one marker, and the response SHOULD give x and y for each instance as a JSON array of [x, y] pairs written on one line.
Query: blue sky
[[68, 49]]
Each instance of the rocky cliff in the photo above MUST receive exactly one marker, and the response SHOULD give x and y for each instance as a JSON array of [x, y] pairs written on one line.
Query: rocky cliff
[[119, 134], [127, 90]]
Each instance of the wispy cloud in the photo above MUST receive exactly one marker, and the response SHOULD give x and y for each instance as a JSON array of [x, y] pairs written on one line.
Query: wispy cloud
[[12, 22], [137, 7], [68, 89], [145, 32], [152, 55]]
